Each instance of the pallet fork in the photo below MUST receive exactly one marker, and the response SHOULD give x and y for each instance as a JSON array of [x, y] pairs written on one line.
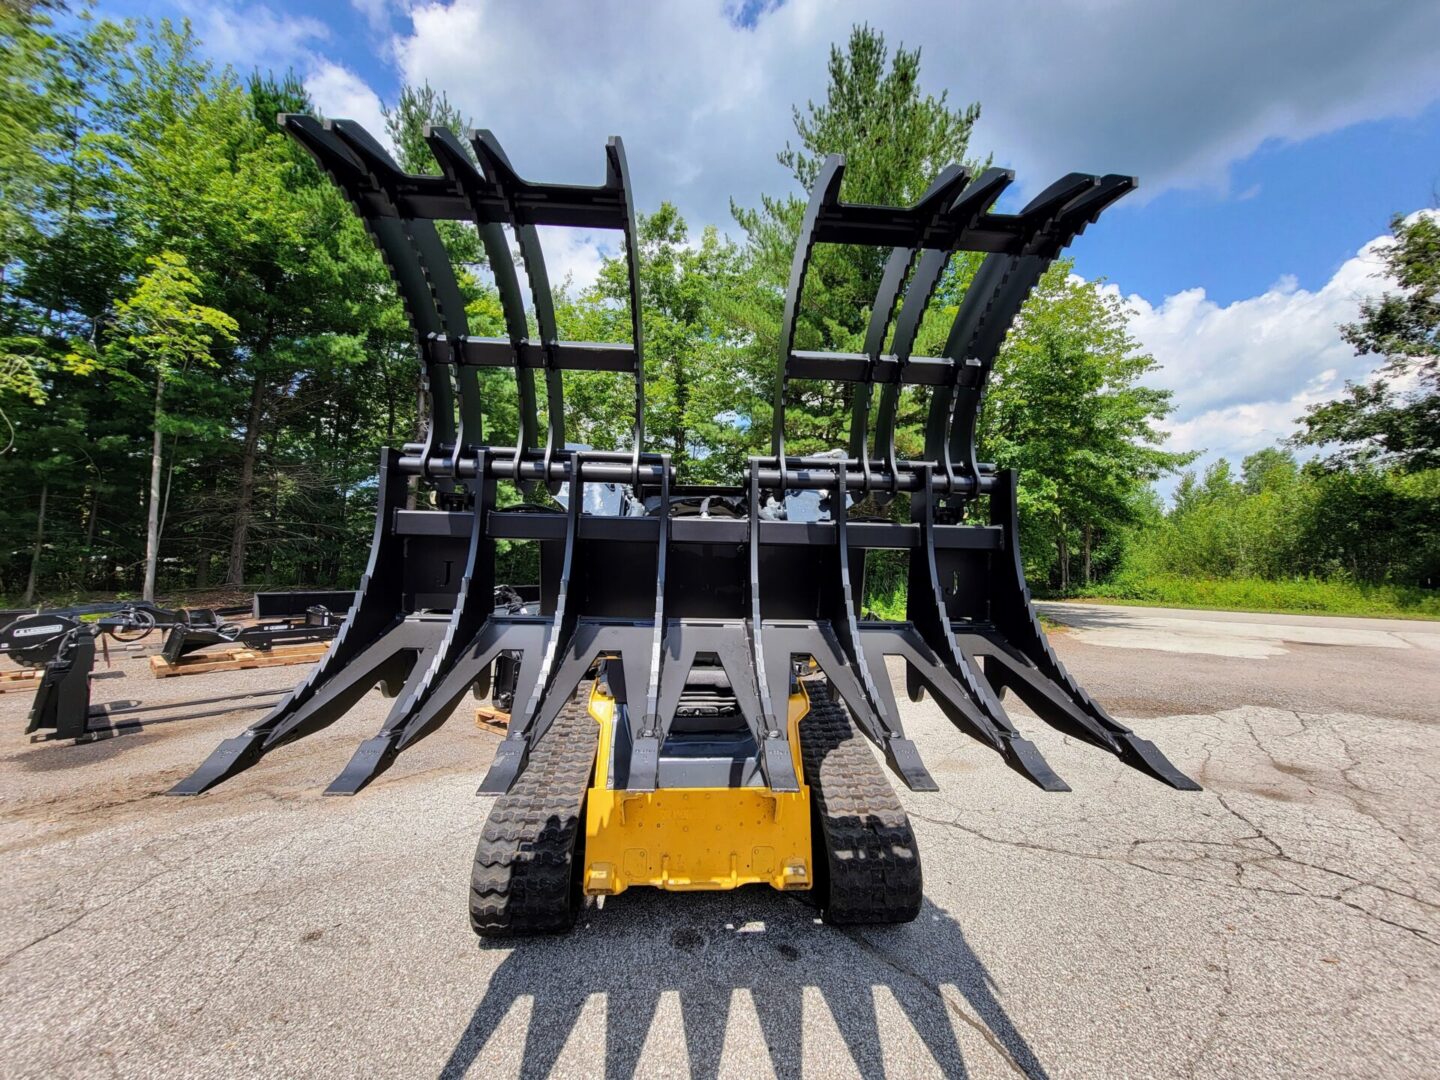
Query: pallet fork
[[679, 654]]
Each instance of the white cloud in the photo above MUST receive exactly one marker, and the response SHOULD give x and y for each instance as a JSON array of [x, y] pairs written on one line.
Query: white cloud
[[253, 36], [1262, 347], [342, 95], [1174, 92], [376, 12], [575, 255], [1242, 373]]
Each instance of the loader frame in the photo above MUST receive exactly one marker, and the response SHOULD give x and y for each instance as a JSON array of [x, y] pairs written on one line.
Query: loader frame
[[722, 574]]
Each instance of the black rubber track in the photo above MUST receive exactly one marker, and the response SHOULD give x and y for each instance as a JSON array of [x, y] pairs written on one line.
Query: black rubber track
[[526, 878], [866, 861]]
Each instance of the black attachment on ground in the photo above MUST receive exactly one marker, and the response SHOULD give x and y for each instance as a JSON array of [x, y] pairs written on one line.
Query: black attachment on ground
[[315, 624], [62, 700], [35, 638], [62, 708]]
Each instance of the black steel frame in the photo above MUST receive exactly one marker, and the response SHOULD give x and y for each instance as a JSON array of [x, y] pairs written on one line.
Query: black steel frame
[[653, 593]]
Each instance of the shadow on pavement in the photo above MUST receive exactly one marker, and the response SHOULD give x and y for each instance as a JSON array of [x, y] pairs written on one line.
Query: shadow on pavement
[[647, 951], [1097, 617]]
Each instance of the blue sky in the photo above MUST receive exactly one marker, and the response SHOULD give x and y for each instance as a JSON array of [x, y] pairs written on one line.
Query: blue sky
[[1273, 141]]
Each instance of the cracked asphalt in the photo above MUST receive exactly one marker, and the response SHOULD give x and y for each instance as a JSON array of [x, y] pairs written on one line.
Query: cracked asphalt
[[1284, 921]]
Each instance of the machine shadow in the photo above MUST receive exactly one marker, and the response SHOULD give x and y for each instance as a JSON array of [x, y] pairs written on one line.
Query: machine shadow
[[694, 954]]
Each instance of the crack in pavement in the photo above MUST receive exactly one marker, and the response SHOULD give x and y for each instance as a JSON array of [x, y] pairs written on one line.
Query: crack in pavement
[[1276, 852]]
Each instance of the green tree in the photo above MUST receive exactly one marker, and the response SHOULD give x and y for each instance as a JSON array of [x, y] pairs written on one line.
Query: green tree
[[1395, 417], [895, 139], [693, 357], [164, 329], [1067, 408], [30, 111]]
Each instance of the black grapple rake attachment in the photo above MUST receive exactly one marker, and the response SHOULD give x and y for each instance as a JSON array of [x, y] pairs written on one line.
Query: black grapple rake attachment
[[750, 592]]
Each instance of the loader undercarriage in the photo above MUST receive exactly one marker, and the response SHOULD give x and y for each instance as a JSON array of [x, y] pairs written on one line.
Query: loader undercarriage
[[693, 608], [565, 830]]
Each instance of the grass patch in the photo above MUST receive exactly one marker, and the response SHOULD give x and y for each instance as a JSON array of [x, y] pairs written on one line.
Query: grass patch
[[1304, 596], [1299, 596]]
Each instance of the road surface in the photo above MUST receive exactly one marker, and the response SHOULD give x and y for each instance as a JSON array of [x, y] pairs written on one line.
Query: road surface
[[1285, 921]]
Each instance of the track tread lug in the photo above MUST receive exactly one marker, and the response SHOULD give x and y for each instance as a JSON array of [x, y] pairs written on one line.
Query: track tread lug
[[871, 865], [525, 878]]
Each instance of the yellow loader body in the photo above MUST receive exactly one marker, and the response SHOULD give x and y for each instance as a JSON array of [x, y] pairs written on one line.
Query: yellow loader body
[[690, 839]]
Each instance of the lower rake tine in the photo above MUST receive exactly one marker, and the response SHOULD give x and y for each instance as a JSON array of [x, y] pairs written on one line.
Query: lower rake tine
[[1059, 710], [513, 753], [371, 758], [901, 755], [231, 757], [903, 758], [1024, 757], [1017, 751], [1145, 756], [1049, 701], [511, 757]]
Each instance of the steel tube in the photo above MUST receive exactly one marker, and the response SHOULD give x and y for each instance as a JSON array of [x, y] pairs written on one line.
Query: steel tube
[[592, 471], [807, 479], [876, 464]]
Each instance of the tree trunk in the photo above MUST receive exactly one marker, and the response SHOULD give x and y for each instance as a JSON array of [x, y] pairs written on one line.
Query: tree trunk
[[274, 516], [34, 578], [1062, 551], [245, 500], [152, 522], [91, 521], [1085, 553], [682, 413]]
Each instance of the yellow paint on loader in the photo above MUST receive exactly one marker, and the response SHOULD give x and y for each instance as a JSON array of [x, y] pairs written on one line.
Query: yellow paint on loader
[[685, 839]]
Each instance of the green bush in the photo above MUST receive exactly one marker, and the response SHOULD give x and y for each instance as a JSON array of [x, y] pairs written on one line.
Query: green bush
[[1334, 596]]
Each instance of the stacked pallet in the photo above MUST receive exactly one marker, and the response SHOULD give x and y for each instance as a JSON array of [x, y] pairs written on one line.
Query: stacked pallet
[[488, 719], [25, 679], [238, 659]]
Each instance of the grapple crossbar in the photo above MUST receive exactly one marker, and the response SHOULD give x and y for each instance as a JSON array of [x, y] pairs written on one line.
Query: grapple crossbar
[[737, 576]]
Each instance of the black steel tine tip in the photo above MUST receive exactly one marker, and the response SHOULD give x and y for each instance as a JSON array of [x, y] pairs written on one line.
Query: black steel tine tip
[[230, 757], [904, 761], [511, 757], [1024, 757], [1144, 755], [372, 757]]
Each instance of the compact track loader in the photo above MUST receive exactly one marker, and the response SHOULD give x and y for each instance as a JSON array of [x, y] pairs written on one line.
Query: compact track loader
[[692, 691]]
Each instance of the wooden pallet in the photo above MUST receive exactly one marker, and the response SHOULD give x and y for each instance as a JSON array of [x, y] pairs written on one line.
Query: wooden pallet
[[25, 679], [238, 659], [493, 720]]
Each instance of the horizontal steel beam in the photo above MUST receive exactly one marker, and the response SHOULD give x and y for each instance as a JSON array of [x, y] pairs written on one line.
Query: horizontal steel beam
[[856, 367], [502, 352], [798, 476], [513, 525]]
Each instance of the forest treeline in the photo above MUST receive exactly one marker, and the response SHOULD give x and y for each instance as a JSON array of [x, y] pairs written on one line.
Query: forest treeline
[[201, 353]]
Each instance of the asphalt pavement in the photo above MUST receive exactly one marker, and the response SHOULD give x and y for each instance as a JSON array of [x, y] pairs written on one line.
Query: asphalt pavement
[[1284, 921]]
